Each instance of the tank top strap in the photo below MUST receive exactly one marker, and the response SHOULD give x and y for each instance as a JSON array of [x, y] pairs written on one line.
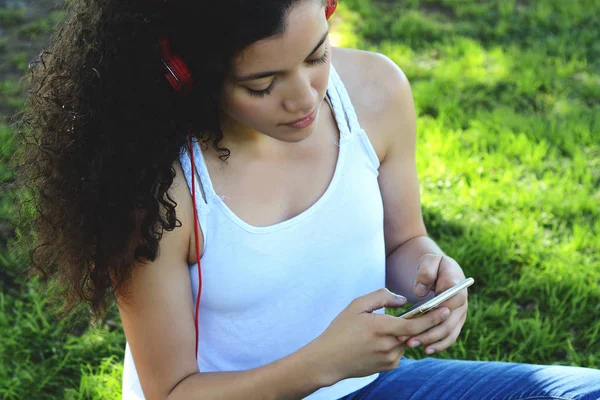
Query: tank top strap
[[202, 180], [341, 104], [346, 116]]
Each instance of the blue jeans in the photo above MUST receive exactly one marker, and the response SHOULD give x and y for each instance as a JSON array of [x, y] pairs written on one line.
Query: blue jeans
[[440, 379]]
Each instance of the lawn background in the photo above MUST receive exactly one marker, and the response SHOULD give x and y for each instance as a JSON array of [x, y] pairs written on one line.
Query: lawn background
[[507, 96]]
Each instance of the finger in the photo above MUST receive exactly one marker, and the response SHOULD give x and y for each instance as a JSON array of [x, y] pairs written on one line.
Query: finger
[[427, 273], [398, 352], [386, 344], [449, 274], [436, 333], [378, 299], [441, 336], [412, 327], [444, 343], [456, 301]]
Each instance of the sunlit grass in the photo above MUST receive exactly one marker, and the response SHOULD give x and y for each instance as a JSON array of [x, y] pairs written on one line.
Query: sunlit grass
[[508, 156], [508, 129]]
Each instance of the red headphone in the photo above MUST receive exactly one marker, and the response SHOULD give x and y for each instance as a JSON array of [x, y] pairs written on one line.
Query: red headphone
[[180, 78]]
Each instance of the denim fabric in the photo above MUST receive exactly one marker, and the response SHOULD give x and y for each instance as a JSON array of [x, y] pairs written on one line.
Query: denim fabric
[[439, 379]]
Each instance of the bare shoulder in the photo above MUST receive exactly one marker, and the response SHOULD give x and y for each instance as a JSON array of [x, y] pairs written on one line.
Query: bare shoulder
[[378, 89]]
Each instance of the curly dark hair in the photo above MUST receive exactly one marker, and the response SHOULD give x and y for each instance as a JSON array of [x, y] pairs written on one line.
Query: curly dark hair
[[102, 128]]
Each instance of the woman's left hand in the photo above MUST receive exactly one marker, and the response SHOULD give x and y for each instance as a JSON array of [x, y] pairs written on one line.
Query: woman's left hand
[[440, 273]]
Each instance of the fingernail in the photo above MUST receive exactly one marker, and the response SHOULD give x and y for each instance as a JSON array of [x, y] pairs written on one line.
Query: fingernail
[[421, 290], [429, 351], [400, 298], [445, 313], [415, 343]]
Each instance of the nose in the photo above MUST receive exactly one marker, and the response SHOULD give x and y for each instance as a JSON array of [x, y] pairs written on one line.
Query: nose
[[302, 97]]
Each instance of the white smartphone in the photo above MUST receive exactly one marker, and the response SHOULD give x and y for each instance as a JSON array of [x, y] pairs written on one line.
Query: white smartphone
[[431, 304]]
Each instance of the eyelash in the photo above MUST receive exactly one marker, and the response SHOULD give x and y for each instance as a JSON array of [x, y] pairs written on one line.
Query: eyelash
[[267, 91]]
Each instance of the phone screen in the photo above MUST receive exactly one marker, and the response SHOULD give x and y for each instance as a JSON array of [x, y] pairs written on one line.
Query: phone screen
[[431, 304]]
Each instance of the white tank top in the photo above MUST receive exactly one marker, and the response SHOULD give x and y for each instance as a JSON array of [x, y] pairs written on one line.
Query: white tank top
[[268, 291]]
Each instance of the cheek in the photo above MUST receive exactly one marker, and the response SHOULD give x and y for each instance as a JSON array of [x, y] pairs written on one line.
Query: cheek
[[323, 80], [249, 111]]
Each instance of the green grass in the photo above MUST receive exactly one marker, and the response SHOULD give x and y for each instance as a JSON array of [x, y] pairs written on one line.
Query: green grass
[[10, 17], [38, 28], [509, 162]]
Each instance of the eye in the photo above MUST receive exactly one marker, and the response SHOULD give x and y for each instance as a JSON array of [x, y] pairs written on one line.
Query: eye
[[318, 61], [261, 93], [267, 91]]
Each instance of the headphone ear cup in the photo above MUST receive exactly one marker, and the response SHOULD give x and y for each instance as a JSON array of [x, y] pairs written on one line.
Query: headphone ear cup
[[178, 74], [330, 8]]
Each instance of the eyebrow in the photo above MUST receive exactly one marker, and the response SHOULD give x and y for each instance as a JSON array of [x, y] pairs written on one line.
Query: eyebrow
[[260, 75]]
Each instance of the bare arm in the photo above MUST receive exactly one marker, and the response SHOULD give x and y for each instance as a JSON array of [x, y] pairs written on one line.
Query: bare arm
[[406, 239], [292, 377], [158, 320], [415, 265]]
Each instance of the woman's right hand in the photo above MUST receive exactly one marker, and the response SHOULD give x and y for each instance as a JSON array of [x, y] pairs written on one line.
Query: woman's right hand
[[360, 343]]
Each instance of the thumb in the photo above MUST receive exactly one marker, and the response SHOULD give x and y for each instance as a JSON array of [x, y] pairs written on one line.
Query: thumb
[[379, 299]]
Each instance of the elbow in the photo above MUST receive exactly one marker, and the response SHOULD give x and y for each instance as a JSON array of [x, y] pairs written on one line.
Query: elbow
[[175, 392], [405, 241]]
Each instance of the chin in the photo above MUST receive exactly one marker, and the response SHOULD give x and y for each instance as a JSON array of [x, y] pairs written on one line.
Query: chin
[[297, 135]]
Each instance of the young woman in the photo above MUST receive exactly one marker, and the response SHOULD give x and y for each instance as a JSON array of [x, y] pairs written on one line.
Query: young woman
[[248, 192]]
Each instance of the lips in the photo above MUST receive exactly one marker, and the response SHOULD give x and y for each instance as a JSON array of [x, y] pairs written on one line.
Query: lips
[[301, 119]]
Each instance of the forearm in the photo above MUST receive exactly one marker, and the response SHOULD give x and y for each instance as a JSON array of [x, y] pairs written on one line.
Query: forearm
[[402, 264], [292, 377]]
